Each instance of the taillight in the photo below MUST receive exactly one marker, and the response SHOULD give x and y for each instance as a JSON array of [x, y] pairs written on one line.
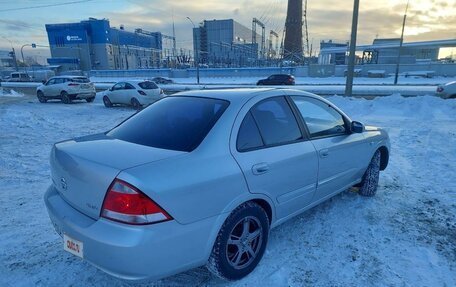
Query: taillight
[[125, 203], [439, 89], [73, 84], [142, 93]]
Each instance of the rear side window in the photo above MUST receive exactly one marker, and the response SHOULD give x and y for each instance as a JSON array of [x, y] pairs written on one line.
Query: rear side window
[[148, 85], [276, 121], [249, 136], [174, 123]]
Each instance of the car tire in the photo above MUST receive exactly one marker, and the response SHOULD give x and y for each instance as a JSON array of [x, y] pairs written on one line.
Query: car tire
[[89, 100], [65, 97], [369, 183], [107, 102], [135, 103], [240, 243], [41, 97]]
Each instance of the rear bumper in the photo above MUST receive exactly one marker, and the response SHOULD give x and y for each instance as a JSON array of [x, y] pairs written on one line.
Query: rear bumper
[[443, 95], [133, 252], [83, 95]]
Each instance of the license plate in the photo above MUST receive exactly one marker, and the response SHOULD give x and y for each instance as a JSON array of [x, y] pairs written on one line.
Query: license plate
[[73, 246]]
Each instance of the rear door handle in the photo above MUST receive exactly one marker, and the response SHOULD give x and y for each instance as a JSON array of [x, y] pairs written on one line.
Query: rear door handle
[[324, 152], [260, 168]]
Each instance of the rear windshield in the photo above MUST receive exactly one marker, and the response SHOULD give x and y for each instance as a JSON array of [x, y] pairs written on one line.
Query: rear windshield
[[148, 85], [80, 80], [174, 123]]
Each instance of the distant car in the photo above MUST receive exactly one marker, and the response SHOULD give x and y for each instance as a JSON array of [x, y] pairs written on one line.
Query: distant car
[[137, 93], [67, 89], [19, 77], [201, 177], [279, 79], [162, 80], [447, 91]]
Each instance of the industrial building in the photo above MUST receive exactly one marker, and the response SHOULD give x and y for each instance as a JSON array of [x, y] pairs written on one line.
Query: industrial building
[[94, 45], [384, 51], [6, 59], [337, 58], [225, 43]]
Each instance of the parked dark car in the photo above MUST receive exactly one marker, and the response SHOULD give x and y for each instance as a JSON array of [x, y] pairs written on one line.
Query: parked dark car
[[162, 80], [279, 79]]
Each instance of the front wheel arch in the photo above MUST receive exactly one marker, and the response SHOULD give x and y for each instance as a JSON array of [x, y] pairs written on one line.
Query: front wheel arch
[[384, 157]]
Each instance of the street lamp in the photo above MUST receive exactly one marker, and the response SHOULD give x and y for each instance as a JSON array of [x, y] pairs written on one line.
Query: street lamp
[[22, 52], [196, 56]]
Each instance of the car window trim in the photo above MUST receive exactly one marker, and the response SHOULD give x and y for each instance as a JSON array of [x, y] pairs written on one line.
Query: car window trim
[[346, 121], [265, 146]]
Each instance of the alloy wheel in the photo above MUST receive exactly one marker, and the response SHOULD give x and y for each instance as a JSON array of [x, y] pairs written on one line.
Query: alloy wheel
[[244, 242]]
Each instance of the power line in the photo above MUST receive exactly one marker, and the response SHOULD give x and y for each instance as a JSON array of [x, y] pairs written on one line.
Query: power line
[[44, 6]]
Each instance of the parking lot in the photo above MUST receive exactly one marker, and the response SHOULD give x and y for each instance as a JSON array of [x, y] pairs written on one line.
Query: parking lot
[[404, 236]]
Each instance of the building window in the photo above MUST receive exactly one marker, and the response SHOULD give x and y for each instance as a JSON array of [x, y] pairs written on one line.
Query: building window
[[59, 41]]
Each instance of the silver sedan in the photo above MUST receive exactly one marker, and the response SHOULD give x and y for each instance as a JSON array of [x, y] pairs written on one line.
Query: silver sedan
[[200, 178]]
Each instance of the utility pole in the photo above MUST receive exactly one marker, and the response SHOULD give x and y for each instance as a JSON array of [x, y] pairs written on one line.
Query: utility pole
[[15, 59], [351, 58], [196, 55], [400, 45]]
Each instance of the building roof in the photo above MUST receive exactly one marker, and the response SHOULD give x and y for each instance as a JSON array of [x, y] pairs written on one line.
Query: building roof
[[394, 44]]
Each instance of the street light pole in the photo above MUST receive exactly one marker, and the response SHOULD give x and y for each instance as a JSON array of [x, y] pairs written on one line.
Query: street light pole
[[351, 57], [22, 52], [396, 75], [196, 56]]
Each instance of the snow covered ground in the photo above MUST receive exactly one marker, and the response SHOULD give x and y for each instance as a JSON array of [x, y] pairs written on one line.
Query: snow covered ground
[[404, 236]]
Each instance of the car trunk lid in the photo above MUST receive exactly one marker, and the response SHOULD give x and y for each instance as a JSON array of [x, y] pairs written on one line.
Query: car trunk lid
[[83, 169]]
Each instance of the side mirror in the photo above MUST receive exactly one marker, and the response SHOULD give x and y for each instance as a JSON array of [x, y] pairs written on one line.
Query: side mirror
[[356, 127]]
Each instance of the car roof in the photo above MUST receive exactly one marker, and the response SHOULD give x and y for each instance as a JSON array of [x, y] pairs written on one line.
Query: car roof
[[242, 95], [68, 77], [135, 81]]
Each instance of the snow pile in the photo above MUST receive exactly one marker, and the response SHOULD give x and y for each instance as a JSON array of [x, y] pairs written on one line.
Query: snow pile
[[11, 94], [404, 236]]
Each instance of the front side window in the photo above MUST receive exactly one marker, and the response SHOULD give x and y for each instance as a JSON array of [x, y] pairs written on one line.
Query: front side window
[[321, 119], [174, 123], [276, 121], [129, 87], [50, 82], [118, 86], [59, 80]]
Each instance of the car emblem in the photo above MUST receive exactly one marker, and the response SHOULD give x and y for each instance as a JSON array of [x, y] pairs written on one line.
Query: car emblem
[[63, 183]]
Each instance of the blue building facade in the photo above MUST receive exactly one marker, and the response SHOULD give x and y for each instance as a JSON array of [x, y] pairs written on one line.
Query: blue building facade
[[98, 46]]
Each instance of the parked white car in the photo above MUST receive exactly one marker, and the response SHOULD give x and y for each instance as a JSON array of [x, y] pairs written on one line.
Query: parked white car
[[19, 77], [137, 93], [447, 91], [66, 88]]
